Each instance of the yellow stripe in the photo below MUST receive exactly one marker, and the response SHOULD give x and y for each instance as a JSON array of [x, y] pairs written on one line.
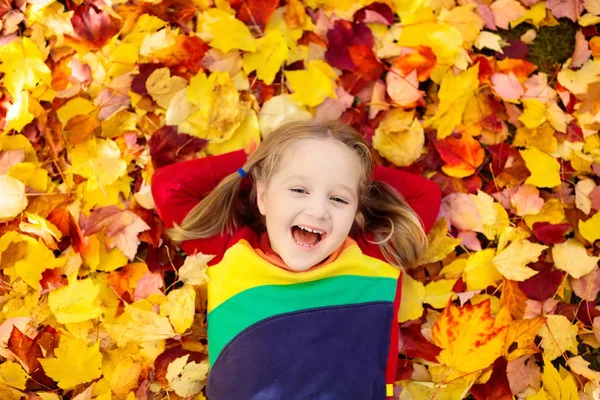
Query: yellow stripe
[[389, 390], [242, 268]]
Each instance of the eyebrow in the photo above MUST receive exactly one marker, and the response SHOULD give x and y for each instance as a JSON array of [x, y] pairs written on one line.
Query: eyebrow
[[305, 178]]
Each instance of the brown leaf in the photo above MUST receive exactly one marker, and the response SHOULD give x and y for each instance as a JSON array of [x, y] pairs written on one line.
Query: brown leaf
[[26, 349]]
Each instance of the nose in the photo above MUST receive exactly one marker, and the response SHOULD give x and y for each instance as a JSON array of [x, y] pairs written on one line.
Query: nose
[[317, 208]]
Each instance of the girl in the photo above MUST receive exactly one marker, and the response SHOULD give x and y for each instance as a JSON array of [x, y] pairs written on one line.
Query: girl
[[309, 236]]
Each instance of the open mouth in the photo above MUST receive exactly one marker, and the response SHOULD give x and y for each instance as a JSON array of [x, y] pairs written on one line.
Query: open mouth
[[307, 237]]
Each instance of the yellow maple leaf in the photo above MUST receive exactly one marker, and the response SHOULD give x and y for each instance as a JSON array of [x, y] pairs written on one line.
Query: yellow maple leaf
[[121, 367], [543, 167], [399, 137], [440, 243], [469, 339], [38, 258], [493, 216], [439, 292], [74, 107], [98, 160], [590, 229], [73, 363], [137, 325], [443, 39], [13, 374], [179, 307], [558, 386], [193, 270], [23, 66], [224, 31], [512, 261], [76, 302], [552, 211], [558, 335], [18, 115], [465, 19], [271, 53], [245, 136], [186, 378], [31, 175], [480, 272], [454, 93], [312, 85], [541, 137], [534, 114], [572, 257], [162, 86], [98, 258], [413, 293]]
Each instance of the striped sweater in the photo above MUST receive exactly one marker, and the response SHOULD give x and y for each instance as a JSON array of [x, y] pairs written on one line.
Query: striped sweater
[[322, 334]]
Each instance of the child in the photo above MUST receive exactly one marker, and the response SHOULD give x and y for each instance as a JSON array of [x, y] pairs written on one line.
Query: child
[[309, 236]]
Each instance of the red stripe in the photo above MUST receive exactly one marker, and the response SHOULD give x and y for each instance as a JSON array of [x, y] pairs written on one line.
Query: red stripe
[[392, 363]]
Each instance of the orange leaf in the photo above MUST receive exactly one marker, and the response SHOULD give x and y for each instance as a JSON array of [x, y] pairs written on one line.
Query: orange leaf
[[462, 156], [468, 337], [423, 60], [522, 333], [521, 68], [185, 55], [254, 12], [367, 65], [513, 299]]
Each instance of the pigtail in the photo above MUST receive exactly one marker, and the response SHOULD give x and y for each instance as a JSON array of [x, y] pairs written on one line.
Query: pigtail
[[397, 229], [221, 211]]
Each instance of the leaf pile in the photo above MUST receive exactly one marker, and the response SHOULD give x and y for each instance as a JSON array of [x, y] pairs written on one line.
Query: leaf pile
[[497, 101]]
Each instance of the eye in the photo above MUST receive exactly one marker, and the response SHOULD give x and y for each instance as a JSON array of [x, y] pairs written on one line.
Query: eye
[[300, 191], [339, 200]]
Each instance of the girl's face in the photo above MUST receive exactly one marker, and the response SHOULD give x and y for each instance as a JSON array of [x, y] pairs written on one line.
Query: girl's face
[[315, 187]]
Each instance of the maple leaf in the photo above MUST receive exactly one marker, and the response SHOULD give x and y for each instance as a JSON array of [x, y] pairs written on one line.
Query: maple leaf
[[26, 349], [74, 362], [468, 336], [462, 156], [186, 378], [121, 228], [93, 27], [497, 387]]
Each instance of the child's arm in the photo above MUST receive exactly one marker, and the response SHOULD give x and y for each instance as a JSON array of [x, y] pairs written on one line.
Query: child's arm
[[178, 187], [422, 195]]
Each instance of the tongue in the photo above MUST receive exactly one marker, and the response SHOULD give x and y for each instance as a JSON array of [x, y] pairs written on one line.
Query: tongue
[[303, 236]]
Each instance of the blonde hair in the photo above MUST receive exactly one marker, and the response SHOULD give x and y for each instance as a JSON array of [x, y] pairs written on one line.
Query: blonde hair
[[382, 210]]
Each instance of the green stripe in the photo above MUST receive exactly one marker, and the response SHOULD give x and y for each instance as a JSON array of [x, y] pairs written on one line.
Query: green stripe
[[250, 306]]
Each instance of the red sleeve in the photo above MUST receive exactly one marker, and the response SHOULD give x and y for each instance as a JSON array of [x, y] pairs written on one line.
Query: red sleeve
[[178, 187], [422, 195]]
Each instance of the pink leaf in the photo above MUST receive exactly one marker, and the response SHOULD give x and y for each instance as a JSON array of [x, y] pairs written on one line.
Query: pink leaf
[[526, 200], [565, 8], [332, 109], [378, 101], [523, 372], [507, 87], [149, 283], [534, 308], [537, 88], [588, 286], [595, 197], [487, 16], [469, 240], [582, 51], [9, 158], [506, 11], [404, 90], [459, 211]]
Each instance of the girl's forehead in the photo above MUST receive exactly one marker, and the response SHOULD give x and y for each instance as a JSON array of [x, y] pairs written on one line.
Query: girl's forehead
[[320, 158]]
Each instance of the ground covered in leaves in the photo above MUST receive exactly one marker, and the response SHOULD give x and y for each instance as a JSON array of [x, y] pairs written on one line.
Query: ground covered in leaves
[[497, 101]]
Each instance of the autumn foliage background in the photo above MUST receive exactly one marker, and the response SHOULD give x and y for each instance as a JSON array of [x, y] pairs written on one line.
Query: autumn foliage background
[[496, 101]]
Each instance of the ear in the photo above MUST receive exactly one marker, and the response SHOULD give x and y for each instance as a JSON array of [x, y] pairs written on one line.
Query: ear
[[261, 196]]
